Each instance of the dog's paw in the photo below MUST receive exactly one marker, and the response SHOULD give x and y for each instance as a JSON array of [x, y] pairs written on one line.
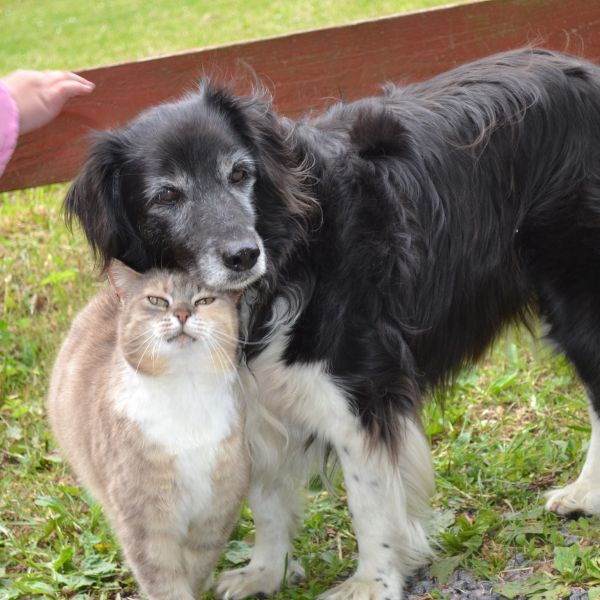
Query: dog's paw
[[356, 588], [256, 580], [581, 496]]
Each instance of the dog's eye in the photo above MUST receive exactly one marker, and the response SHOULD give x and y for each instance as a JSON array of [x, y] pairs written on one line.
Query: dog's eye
[[238, 175], [158, 301], [204, 301], [168, 196]]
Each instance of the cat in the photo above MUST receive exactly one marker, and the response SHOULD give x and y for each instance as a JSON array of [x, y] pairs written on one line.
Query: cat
[[143, 405]]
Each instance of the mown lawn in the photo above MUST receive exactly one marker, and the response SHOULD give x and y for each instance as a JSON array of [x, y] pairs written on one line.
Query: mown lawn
[[511, 429]]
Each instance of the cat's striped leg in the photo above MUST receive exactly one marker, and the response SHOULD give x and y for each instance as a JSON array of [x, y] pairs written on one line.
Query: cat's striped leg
[[156, 556]]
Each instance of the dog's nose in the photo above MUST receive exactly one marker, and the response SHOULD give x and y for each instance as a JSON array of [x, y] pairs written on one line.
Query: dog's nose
[[240, 256]]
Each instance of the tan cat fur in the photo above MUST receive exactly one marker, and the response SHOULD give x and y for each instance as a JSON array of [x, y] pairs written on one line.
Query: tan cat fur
[[155, 432]]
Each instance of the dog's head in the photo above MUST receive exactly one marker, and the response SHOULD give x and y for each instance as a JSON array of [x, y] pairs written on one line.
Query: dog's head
[[182, 186]]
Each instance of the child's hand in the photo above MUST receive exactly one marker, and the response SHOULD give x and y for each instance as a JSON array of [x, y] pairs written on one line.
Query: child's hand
[[40, 95]]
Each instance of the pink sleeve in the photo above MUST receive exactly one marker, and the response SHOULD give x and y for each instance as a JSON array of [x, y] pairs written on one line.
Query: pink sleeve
[[9, 126]]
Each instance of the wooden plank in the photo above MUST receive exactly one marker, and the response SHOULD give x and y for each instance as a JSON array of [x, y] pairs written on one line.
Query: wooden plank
[[308, 70]]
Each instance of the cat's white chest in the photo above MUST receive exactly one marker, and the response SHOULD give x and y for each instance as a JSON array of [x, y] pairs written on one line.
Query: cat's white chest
[[190, 418]]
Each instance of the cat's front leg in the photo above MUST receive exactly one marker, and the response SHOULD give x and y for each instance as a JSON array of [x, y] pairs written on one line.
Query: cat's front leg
[[158, 560]]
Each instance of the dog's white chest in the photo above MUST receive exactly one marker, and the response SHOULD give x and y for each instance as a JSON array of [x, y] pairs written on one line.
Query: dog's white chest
[[302, 394]]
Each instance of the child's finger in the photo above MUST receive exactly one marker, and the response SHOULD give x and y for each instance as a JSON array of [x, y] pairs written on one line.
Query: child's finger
[[60, 76], [61, 91]]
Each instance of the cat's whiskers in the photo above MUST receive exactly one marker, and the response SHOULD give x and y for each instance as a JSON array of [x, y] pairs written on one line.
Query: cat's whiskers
[[150, 343], [215, 356], [233, 338], [143, 333], [210, 343], [237, 379], [211, 335], [224, 337], [224, 358], [147, 338], [154, 351]]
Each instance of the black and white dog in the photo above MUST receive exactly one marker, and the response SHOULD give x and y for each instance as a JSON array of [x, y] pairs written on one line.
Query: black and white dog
[[385, 244]]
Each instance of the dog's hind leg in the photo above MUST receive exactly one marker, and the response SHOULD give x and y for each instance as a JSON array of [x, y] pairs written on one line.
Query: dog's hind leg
[[583, 495], [573, 310], [388, 498]]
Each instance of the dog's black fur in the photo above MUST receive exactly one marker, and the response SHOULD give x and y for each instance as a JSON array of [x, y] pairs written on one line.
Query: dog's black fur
[[406, 230]]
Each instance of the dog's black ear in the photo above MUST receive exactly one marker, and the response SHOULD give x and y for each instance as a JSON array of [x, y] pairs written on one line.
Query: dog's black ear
[[281, 170], [95, 198]]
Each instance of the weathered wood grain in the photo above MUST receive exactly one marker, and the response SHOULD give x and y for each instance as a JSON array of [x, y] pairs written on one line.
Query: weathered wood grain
[[308, 70]]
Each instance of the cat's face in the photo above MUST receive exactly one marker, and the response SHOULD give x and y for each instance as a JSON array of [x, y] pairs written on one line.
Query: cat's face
[[171, 323]]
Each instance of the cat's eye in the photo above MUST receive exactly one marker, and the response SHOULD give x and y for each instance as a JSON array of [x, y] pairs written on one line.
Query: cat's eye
[[238, 175], [168, 196], [158, 301], [204, 301]]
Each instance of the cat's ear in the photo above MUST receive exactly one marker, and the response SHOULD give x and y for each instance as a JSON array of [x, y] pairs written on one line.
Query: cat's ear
[[122, 279]]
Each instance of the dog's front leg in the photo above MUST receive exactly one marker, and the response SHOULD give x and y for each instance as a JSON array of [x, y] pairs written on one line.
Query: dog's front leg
[[275, 499], [388, 497]]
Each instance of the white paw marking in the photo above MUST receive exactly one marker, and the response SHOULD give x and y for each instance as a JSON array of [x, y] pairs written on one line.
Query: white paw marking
[[581, 496], [361, 589], [251, 580]]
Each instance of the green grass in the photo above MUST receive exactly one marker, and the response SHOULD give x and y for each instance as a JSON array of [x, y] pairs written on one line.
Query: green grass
[[66, 34], [511, 428]]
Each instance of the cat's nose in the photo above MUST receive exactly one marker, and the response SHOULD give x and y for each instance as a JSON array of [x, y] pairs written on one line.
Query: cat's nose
[[182, 314]]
